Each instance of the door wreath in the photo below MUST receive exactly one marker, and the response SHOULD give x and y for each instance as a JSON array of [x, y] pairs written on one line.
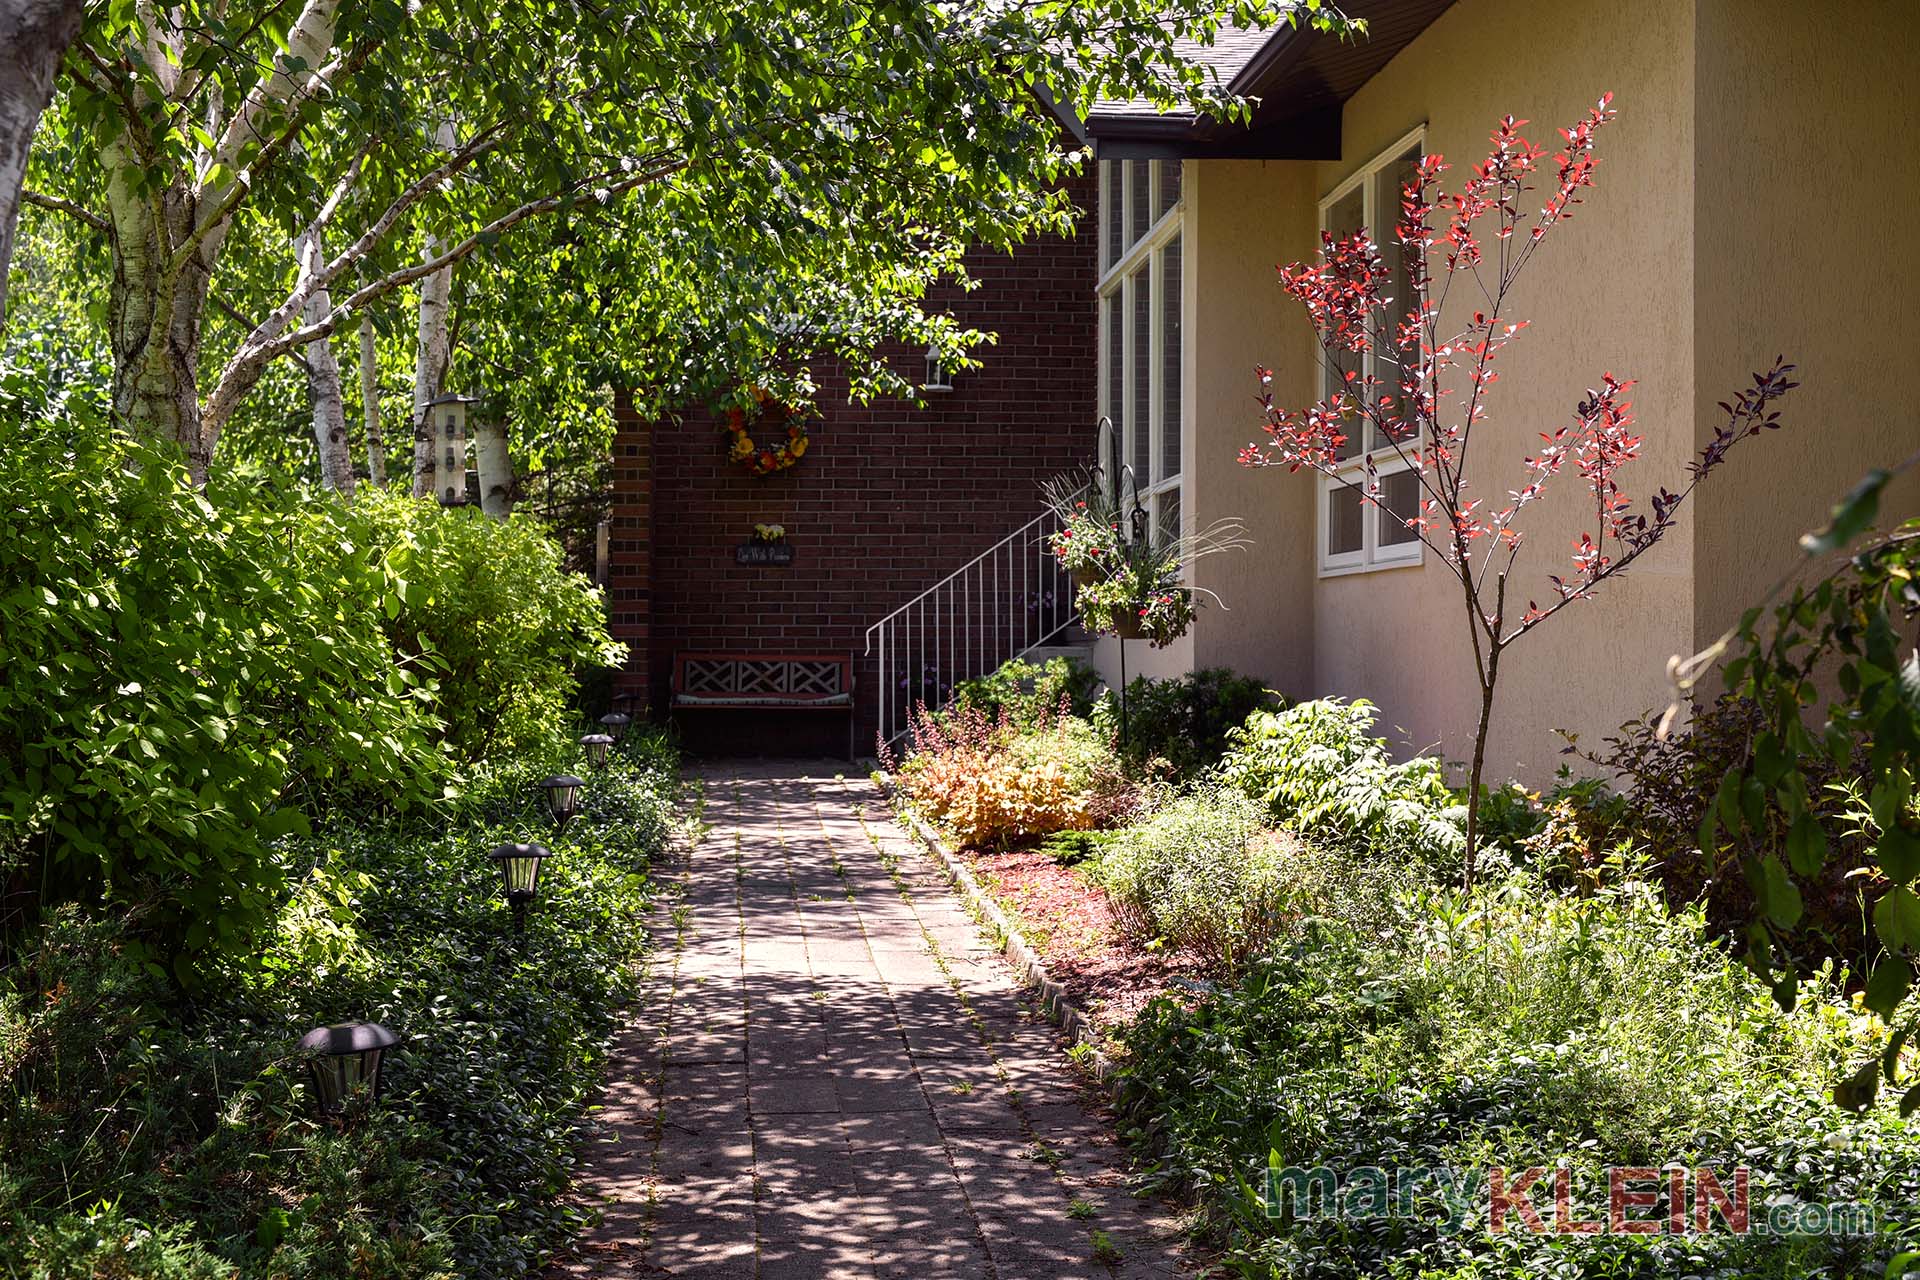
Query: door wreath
[[782, 434]]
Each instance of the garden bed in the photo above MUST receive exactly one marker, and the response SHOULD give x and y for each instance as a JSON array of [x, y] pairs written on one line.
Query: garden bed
[[1065, 919]]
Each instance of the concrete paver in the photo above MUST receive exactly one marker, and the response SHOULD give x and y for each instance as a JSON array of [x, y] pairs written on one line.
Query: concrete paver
[[833, 1074]]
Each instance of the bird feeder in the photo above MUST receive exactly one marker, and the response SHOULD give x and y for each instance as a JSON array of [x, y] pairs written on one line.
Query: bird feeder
[[447, 425], [345, 1057]]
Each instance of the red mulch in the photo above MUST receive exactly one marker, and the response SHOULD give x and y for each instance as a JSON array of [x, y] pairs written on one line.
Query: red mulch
[[1065, 918]]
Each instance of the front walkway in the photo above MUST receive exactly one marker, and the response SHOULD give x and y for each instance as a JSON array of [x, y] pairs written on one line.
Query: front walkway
[[833, 1074]]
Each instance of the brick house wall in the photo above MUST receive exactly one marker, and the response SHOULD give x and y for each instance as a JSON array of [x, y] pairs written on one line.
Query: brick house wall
[[889, 499]]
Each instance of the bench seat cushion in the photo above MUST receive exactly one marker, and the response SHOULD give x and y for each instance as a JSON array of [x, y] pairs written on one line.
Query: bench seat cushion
[[791, 701]]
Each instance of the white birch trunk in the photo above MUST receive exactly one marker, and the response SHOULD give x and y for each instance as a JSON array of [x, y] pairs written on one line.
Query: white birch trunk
[[33, 36], [429, 369], [496, 469], [323, 383], [370, 405]]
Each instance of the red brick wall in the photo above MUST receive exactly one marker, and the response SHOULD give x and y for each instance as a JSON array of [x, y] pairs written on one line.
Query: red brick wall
[[889, 498]]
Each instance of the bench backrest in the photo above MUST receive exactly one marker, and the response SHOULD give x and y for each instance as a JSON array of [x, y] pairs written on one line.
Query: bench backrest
[[762, 677]]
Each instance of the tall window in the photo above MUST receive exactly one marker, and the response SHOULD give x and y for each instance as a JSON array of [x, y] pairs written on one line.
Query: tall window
[[1355, 535], [1140, 326]]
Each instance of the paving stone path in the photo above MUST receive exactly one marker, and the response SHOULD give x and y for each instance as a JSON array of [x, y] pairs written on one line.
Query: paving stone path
[[833, 1074]]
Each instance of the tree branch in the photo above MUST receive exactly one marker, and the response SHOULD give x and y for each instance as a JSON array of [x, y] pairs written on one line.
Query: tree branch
[[68, 207]]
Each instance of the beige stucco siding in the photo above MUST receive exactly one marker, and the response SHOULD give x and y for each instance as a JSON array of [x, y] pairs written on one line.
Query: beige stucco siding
[[1809, 176]]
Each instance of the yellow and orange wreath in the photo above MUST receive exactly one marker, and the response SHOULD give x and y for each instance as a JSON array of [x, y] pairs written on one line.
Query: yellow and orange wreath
[[774, 419]]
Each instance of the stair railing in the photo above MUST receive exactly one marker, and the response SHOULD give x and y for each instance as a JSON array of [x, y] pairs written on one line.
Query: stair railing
[[1006, 602]]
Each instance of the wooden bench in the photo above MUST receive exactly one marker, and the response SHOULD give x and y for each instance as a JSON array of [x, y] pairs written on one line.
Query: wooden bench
[[765, 682]]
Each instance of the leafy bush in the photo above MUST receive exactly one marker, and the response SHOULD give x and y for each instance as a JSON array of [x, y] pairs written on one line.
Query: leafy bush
[[1203, 874], [1669, 785], [1027, 692], [988, 781], [1512, 1026], [1320, 772], [188, 676], [1184, 720], [492, 605], [146, 1135]]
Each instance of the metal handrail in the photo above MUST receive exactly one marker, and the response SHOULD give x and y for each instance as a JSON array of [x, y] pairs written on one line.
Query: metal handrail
[[1004, 603]]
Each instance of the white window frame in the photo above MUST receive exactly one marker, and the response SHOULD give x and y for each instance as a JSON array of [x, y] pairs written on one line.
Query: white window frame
[[1116, 283], [1372, 556]]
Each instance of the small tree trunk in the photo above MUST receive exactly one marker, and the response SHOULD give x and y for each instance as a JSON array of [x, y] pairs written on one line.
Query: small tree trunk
[[429, 368], [1478, 768], [323, 386], [496, 468], [370, 405], [33, 36]]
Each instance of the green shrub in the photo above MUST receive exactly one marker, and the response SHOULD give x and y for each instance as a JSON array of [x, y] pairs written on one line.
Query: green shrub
[[1320, 772], [189, 1116], [188, 676], [1183, 721], [1026, 692], [492, 607], [1512, 1026], [1202, 874]]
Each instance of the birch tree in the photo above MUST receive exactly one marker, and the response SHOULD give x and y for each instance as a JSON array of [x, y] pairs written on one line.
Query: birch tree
[[34, 35], [835, 147]]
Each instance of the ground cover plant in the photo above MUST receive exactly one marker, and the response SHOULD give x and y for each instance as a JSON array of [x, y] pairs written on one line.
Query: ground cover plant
[[149, 1133], [1511, 1025]]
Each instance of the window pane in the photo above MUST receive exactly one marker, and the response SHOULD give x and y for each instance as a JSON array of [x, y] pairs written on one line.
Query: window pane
[[1169, 190], [1109, 213], [1111, 318], [1345, 532], [1167, 526], [1389, 183], [1137, 200], [1170, 361], [1343, 219], [1400, 493], [1141, 403]]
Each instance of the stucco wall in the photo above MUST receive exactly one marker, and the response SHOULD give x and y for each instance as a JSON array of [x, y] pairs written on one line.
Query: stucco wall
[[1611, 291], [1808, 181]]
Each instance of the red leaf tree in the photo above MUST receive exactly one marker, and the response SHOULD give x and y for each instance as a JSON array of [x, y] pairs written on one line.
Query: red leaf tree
[[1426, 411]]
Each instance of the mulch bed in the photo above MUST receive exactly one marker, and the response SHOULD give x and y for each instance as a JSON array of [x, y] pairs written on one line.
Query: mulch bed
[[1066, 920]]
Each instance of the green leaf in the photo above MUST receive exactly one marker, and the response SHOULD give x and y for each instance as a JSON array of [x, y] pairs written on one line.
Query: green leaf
[[1782, 898], [1807, 845], [1850, 516], [1888, 986], [1896, 919], [1898, 850]]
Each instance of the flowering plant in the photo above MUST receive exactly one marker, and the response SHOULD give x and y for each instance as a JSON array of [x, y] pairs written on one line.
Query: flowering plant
[[775, 421], [1424, 425], [769, 533], [1127, 586]]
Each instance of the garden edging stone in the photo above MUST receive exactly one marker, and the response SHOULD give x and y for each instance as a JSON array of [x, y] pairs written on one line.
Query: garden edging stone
[[1068, 1016]]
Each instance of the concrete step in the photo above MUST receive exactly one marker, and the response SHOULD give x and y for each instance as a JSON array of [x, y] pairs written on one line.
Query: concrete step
[[1075, 652]]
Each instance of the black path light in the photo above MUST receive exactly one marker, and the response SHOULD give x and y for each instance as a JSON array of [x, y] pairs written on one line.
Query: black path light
[[616, 722], [343, 1057], [563, 798], [519, 875], [597, 745]]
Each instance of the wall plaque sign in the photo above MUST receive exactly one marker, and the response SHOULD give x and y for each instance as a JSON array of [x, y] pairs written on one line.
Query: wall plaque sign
[[777, 553]]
